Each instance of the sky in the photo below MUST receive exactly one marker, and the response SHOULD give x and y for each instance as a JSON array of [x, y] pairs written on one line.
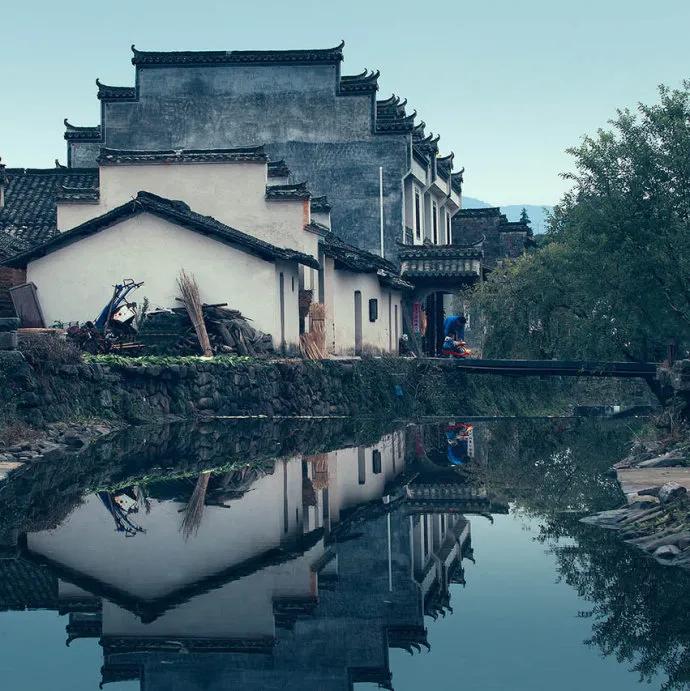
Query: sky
[[508, 84]]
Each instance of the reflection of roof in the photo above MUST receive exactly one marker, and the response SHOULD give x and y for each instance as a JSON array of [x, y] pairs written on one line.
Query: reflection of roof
[[149, 610], [25, 585], [407, 637], [114, 645], [176, 212]]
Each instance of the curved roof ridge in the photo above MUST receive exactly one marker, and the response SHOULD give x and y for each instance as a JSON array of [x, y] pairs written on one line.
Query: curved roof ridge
[[202, 57], [129, 156], [175, 211], [115, 93]]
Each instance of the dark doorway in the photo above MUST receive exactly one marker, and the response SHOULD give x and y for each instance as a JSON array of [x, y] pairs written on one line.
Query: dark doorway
[[433, 339], [358, 322]]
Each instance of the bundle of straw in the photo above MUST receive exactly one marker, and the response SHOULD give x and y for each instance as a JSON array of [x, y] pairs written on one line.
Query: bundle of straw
[[319, 464], [317, 325], [194, 511], [313, 344], [192, 301]]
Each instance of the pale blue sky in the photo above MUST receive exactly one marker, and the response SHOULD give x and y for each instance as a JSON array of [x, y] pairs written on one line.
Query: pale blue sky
[[508, 84]]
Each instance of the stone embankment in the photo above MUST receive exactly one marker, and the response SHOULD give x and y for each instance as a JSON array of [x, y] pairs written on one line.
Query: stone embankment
[[149, 390], [655, 479]]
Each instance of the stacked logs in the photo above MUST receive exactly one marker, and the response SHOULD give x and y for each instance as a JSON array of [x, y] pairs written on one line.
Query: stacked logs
[[171, 332]]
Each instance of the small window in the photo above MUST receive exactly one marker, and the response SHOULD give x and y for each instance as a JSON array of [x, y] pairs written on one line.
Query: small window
[[293, 284], [373, 309], [434, 222], [417, 214], [376, 461]]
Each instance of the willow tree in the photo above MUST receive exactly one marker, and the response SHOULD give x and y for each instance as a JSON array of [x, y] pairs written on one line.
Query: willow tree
[[613, 278]]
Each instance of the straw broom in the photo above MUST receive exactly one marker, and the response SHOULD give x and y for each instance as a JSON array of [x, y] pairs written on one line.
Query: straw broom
[[192, 301], [194, 511]]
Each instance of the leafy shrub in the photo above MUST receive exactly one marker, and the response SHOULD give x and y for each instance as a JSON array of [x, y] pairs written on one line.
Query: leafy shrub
[[42, 349]]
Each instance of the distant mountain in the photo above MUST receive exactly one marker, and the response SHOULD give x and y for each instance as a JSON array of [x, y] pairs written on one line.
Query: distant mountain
[[536, 213], [472, 203]]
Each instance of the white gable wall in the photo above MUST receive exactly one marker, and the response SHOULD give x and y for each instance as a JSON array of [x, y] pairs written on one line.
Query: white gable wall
[[233, 193], [150, 249], [378, 336]]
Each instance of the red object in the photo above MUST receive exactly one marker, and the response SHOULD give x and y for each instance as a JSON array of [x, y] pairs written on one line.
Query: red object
[[459, 352]]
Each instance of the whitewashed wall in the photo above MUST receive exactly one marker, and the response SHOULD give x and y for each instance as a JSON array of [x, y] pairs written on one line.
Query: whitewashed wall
[[233, 193], [378, 336], [150, 249]]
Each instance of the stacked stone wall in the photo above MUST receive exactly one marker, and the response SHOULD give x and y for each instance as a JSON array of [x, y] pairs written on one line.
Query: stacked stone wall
[[385, 387]]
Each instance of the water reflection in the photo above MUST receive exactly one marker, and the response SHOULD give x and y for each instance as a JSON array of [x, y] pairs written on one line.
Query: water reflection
[[297, 555], [299, 571]]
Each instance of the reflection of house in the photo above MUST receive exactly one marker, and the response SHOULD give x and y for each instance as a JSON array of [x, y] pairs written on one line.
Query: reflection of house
[[302, 580]]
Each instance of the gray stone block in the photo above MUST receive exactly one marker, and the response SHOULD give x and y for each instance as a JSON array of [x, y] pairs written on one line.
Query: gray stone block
[[8, 340], [9, 323]]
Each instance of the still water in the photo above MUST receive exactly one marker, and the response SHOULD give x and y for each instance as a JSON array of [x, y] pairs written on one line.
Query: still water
[[331, 555]]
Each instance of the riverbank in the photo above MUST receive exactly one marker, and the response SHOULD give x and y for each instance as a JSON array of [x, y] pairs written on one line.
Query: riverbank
[[124, 391], [655, 479]]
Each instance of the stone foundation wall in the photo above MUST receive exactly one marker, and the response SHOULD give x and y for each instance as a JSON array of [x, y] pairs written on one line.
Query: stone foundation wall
[[385, 387]]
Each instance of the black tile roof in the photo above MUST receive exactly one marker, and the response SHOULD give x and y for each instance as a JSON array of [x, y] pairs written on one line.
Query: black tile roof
[[127, 157], [176, 212], [317, 228], [30, 210], [320, 205], [391, 107], [78, 194], [352, 258], [288, 192], [74, 132], [456, 180], [115, 93], [474, 213], [429, 251], [263, 57], [11, 245], [444, 165], [278, 169], [364, 83]]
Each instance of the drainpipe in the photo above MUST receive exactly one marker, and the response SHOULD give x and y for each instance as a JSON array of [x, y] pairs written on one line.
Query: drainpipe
[[381, 207]]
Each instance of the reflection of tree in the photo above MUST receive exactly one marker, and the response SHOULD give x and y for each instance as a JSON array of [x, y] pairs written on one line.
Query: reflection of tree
[[639, 608], [556, 465]]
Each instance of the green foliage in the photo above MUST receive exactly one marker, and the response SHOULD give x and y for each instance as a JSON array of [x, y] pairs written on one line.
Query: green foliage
[[524, 216], [611, 279], [43, 350], [164, 360]]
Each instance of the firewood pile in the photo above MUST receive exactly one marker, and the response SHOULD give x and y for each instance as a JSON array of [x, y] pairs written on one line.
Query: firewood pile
[[171, 332]]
